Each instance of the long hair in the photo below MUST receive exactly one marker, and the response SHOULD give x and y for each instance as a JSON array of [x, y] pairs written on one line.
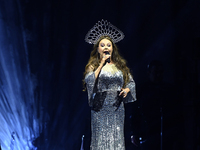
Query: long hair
[[118, 60]]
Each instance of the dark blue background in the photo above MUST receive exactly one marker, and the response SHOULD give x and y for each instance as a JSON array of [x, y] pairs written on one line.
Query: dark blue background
[[45, 39]]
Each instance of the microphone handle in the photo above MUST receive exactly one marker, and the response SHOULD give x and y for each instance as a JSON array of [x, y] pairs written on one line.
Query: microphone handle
[[107, 60]]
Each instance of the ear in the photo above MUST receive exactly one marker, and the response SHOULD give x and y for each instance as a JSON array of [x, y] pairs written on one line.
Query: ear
[[97, 49]]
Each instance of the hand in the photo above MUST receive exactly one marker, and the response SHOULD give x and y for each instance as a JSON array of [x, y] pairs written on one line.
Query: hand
[[104, 58], [124, 92]]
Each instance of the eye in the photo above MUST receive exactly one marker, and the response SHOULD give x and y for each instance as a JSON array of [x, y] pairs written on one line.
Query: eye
[[109, 45], [102, 44]]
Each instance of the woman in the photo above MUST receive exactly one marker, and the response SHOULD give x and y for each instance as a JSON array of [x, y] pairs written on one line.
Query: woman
[[109, 84]]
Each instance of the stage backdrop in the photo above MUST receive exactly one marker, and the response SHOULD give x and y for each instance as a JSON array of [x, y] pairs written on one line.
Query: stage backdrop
[[43, 55]]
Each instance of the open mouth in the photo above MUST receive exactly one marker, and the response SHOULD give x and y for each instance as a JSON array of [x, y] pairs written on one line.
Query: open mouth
[[106, 52]]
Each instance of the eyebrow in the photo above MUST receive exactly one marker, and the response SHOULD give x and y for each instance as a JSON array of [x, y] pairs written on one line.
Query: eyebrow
[[106, 43]]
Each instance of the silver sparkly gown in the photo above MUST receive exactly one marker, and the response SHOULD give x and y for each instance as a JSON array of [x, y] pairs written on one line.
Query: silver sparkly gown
[[107, 125]]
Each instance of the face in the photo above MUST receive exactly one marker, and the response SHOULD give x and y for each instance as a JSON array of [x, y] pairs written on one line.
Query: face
[[105, 45]]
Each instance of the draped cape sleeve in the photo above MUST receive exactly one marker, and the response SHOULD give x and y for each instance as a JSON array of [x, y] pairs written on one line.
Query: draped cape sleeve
[[90, 83], [131, 97]]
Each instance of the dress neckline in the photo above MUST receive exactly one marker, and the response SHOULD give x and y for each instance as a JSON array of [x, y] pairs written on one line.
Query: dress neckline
[[110, 64]]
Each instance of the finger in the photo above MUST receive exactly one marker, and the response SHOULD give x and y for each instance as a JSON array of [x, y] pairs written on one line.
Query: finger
[[104, 57], [120, 93], [107, 56], [124, 93]]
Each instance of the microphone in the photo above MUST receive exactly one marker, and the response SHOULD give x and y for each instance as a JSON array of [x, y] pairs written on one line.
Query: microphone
[[107, 53]]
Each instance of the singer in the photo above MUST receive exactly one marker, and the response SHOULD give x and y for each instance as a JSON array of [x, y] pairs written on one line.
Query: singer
[[109, 85]]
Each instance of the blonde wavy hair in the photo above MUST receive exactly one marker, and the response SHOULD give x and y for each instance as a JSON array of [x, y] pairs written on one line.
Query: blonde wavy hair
[[118, 60]]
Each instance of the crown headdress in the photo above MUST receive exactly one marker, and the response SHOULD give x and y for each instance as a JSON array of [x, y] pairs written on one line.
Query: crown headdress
[[103, 28]]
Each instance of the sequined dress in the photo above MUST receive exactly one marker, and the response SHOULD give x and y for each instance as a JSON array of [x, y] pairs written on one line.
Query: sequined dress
[[107, 125]]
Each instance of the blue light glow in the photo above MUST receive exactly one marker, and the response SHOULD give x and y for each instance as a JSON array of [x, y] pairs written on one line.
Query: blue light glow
[[19, 124]]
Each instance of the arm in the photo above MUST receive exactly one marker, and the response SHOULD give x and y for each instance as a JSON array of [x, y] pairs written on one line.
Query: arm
[[98, 70], [91, 77]]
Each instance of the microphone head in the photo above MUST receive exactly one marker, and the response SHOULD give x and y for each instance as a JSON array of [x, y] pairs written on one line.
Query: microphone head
[[107, 53]]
